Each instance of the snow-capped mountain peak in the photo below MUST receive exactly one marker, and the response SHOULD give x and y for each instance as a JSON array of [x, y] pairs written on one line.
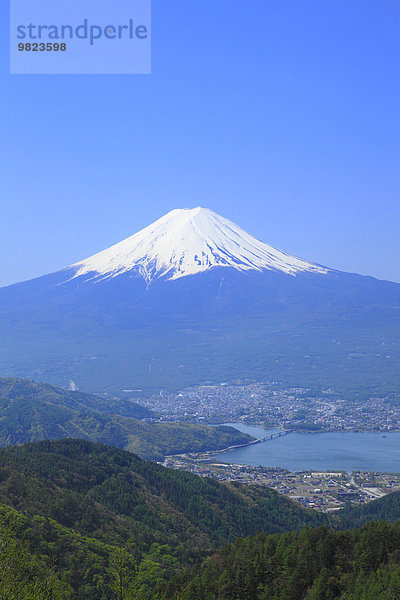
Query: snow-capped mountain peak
[[189, 241]]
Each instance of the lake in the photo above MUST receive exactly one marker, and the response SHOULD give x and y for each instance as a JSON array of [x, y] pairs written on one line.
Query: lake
[[319, 451]]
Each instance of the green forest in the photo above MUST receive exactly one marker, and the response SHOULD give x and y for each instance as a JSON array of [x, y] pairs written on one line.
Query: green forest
[[84, 517], [85, 521], [32, 412], [314, 564]]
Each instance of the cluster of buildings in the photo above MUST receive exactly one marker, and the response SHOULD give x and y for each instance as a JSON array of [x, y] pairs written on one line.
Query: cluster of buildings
[[322, 491], [293, 408], [272, 406]]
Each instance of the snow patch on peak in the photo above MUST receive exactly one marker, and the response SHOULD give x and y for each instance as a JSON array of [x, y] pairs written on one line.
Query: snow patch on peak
[[189, 241]]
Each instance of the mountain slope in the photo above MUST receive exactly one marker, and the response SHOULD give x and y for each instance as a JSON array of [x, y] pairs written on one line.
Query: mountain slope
[[317, 564], [12, 390], [33, 412], [111, 495], [193, 298], [189, 241], [25, 575], [382, 509], [77, 504]]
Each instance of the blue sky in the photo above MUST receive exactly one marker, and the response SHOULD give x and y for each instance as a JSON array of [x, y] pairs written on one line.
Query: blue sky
[[282, 116]]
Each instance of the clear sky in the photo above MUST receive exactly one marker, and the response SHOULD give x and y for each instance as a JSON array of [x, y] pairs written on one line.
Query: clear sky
[[283, 116]]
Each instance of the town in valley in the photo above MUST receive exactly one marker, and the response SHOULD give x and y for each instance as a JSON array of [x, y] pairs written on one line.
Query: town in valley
[[272, 406], [288, 409]]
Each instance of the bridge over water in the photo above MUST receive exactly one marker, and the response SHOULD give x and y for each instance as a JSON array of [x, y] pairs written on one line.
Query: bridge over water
[[270, 436], [265, 438]]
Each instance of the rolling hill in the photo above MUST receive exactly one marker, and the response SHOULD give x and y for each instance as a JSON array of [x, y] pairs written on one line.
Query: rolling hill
[[88, 515], [79, 503], [31, 412]]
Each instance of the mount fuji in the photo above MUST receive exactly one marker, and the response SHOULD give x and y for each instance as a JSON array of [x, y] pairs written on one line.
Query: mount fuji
[[186, 242], [194, 298]]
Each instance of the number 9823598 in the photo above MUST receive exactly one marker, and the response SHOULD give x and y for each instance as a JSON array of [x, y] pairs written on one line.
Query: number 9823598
[[42, 47]]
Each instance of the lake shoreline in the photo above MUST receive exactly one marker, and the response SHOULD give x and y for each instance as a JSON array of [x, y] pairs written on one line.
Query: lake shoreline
[[301, 451]]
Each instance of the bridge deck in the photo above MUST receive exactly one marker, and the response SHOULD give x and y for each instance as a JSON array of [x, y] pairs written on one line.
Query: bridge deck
[[270, 436]]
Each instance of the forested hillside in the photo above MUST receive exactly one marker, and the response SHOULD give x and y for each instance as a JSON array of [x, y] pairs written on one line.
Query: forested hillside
[[87, 515], [25, 575], [315, 564], [385, 509], [78, 502], [12, 389], [31, 412]]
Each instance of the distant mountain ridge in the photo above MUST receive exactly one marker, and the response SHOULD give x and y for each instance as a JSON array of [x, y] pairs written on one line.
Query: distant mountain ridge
[[32, 412], [12, 390], [194, 298]]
